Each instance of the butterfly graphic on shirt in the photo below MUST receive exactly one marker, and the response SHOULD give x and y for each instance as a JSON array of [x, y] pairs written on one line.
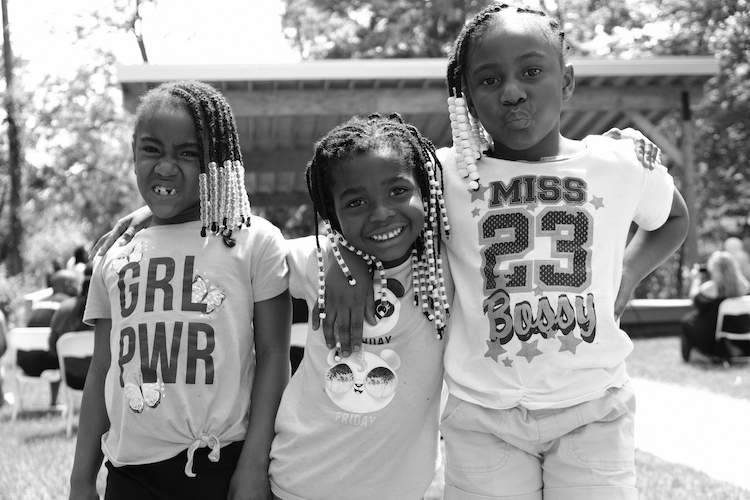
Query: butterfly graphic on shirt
[[143, 394], [135, 255], [206, 293]]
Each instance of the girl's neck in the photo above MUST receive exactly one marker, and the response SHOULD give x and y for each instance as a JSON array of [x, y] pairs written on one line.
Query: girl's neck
[[395, 263], [560, 149]]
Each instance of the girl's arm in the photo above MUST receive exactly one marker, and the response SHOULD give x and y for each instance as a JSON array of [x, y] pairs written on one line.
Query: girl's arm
[[94, 421], [648, 249], [347, 306], [125, 227], [272, 324]]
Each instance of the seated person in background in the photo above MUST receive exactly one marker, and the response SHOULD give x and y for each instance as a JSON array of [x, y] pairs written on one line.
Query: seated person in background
[[64, 285], [69, 318], [699, 326], [3, 347]]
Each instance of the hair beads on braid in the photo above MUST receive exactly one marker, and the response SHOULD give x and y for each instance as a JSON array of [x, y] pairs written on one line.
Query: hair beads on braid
[[224, 204], [373, 133], [469, 137]]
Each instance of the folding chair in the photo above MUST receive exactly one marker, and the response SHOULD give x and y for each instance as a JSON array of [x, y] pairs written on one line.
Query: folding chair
[[74, 351], [731, 327], [28, 339]]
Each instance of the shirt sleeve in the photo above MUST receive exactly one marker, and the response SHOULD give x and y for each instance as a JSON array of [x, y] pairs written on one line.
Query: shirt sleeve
[[97, 302], [270, 273]]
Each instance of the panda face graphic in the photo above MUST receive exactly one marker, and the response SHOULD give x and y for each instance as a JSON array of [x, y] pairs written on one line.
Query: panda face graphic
[[363, 382]]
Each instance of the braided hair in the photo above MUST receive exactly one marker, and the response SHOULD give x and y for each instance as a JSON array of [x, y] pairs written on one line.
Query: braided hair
[[376, 133], [469, 137], [224, 204]]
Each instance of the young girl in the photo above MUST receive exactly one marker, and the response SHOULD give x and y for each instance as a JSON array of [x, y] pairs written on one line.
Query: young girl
[[367, 426], [191, 318], [540, 405]]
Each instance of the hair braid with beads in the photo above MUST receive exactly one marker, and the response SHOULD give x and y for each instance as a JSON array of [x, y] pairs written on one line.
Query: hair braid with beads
[[224, 204], [361, 135], [469, 137]]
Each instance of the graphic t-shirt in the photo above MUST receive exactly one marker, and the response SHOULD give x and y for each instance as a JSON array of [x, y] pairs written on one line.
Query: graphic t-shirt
[[182, 343], [363, 427], [536, 256]]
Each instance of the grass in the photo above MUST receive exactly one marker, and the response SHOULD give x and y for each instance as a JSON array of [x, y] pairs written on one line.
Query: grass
[[36, 456]]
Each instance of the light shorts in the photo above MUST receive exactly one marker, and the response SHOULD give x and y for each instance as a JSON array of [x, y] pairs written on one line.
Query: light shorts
[[583, 452]]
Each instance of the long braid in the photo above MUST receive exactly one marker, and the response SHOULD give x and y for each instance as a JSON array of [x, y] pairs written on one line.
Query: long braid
[[469, 137], [373, 133], [224, 204]]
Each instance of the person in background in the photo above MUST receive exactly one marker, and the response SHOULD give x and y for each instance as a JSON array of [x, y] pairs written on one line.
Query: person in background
[[65, 284], [69, 318], [3, 348], [698, 327]]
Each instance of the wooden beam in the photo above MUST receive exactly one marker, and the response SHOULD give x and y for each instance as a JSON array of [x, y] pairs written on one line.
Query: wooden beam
[[358, 101]]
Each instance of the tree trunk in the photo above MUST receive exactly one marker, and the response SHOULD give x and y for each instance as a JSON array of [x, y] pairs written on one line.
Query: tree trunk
[[15, 234]]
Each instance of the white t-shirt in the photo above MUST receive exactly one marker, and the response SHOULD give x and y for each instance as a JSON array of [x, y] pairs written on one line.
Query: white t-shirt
[[536, 256], [360, 428], [182, 343]]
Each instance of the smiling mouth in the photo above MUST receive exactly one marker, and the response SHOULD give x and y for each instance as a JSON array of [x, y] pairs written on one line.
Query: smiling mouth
[[162, 191], [387, 236]]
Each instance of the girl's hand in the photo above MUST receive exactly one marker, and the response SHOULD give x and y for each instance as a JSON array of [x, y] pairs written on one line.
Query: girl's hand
[[347, 307], [244, 486], [125, 227], [646, 151]]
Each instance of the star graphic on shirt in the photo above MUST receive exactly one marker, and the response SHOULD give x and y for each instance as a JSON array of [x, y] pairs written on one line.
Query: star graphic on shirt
[[570, 209], [532, 206], [537, 290], [479, 193], [569, 342], [508, 362], [495, 349], [475, 212], [529, 350], [597, 202]]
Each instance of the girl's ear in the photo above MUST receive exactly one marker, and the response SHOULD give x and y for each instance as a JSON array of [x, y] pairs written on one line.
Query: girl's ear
[[568, 82]]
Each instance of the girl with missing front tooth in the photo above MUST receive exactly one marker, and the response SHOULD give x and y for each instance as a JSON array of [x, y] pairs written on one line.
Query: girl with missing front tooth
[[192, 320]]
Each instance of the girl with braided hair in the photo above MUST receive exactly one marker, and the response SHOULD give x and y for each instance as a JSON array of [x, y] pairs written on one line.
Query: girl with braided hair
[[366, 426], [539, 402], [191, 318]]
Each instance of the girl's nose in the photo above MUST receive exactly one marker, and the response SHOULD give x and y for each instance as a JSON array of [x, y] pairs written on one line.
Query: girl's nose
[[513, 93], [166, 166], [381, 212]]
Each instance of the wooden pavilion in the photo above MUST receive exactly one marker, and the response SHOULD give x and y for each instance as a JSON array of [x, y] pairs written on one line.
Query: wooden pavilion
[[282, 109]]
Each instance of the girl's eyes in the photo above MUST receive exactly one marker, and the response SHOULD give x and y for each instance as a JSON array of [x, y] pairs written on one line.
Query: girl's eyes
[[490, 81], [399, 190], [355, 203], [533, 71]]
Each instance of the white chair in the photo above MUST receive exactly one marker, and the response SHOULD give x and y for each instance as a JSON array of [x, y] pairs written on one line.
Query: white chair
[[28, 339], [733, 306], [78, 345]]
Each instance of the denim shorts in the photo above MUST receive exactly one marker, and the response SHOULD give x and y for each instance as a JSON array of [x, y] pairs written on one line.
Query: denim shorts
[[583, 452]]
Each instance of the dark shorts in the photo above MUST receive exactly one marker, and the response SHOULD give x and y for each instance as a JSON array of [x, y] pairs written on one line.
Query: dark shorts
[[167, 479]]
